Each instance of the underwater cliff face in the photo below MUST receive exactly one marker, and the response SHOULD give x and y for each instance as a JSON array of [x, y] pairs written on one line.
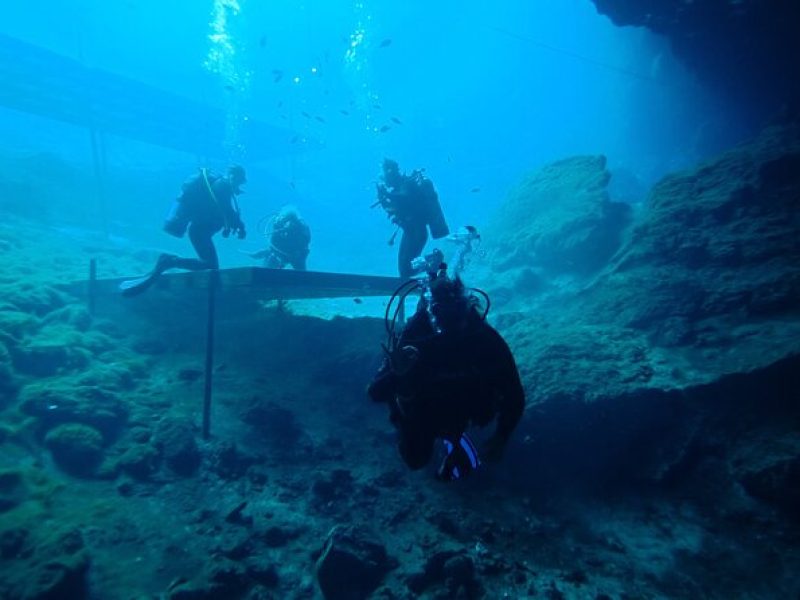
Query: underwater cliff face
[[747, 49]]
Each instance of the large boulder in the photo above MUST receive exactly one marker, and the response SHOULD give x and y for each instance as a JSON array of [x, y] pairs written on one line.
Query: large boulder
[[695, 315], [76, 448], [176, 442], [559, 220], [94, 406], [351, 565], [716, 254]]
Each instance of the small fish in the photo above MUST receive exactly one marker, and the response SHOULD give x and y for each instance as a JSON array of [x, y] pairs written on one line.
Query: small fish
[[229, 88], [280, 104], [294, 139], [384, 129], [358, 301], [396, 120], [305, 114], [291, 184], [475, 190], [277, 75], [262, 41], [377, 106], [344, 112], [385, 43], [320, 119]]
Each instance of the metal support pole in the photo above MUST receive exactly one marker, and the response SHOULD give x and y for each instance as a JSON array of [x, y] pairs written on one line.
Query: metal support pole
[[92, 291], [213, 278]]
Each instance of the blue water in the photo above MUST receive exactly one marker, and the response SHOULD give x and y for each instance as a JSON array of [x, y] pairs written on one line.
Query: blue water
[[477, 97]]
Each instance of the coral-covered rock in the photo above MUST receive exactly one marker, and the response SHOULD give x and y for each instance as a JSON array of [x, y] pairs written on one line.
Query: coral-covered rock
[[352, 564], [559, 220], [76, 448]]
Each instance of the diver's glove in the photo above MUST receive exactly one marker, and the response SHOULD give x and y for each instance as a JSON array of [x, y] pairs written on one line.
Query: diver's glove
[[226, 232], [241, 233]]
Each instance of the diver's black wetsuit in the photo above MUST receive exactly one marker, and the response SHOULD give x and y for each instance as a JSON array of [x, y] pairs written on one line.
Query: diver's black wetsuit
[[206, 214], [460, 378], [288, 243], [414, 206]]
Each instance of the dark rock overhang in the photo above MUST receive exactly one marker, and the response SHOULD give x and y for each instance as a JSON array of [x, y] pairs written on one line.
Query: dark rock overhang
[[746, 49]]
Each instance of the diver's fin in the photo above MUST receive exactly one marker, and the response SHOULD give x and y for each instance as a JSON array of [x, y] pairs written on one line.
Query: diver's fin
[[134, 287]]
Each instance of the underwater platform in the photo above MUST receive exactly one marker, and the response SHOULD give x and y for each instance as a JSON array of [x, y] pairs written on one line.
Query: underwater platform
[[42, 82], [251, 283], [235, 292]]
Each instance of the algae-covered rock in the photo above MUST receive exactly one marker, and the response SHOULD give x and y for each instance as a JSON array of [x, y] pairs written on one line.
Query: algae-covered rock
[[717, 241], [75, 315], [139, 461], [176, 441], [58, 348], [16, 323], [32, 297], [560, 219], [43, 359], [55, 567], [76, 448], [53, 405]]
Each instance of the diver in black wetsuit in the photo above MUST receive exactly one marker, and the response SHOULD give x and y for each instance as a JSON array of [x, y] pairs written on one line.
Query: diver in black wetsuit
[[448, 370], [288, 241], [411, 202], [206, 206]]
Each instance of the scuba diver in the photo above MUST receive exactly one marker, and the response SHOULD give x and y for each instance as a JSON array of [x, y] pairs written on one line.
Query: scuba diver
[[207, 204], [447, 370], [411, 202], [288, 237]]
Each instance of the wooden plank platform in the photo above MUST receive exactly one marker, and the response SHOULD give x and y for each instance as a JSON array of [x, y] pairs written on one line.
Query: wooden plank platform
[[257, 283]]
